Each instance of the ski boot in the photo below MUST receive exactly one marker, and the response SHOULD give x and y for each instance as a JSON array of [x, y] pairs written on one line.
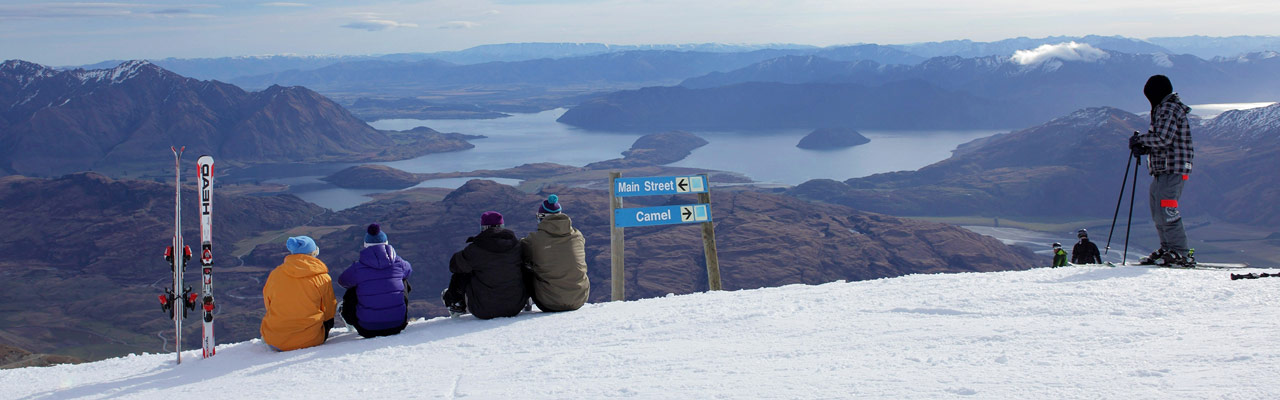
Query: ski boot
[[1171, 259], [1153, 258]]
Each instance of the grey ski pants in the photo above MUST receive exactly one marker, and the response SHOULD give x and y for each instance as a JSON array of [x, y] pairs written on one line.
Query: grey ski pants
[[1165, 191]]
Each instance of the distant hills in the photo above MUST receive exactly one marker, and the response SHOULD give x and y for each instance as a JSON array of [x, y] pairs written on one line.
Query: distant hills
[[940, 93], [972, 49], [1071, 167], [910, 104], [485, 81], [227, 68], [634, 67], [126, 117]]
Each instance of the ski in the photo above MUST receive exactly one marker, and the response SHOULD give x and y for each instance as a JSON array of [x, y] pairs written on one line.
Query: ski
[[1197, 266], [1254, 276], [178, 299], [204, 166]]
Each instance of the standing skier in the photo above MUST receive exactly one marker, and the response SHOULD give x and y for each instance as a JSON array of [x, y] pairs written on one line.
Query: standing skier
[[377, 299], [1085, 252], [1167, 145], [1059, 255], [299, 299], [557, 260]]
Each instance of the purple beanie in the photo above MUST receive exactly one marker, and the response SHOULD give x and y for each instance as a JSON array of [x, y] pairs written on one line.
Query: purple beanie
[[491, 218], [550, 206]]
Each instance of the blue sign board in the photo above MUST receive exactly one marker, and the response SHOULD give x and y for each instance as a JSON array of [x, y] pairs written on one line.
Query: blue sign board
[[658, 185], [664, 215]]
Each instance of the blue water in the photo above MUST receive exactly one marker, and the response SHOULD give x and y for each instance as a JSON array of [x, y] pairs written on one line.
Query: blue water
[[513, 141], [888, 151], [533, 138]]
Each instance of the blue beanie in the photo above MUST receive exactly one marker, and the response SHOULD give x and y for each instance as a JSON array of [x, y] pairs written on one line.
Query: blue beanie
[[551, 206], [374, 234], [300, 245]]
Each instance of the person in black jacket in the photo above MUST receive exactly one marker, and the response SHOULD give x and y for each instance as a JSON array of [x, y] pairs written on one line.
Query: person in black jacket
[[1085, 252], [488, 275]]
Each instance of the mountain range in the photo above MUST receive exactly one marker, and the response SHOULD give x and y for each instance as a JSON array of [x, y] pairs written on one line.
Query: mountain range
[[228, 68], [1071, 166], [54, 122], [627, 67], [942, 92]]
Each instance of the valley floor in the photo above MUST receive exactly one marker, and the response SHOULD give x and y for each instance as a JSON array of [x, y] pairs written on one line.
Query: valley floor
[[1076, 332]]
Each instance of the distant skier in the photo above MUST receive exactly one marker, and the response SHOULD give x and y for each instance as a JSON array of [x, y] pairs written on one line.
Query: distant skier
[[1169, 152], [557, 259], [1059, 255], [488, 274], [299, 299], [377, 299], [1085, 252]]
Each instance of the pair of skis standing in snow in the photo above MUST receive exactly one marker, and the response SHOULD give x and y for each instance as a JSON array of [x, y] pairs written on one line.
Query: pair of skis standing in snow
[[179, 299]]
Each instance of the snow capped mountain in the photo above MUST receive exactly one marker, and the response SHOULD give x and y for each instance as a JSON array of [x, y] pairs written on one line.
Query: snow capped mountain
[[115, 116], [120, 73], [1066, 333], [1246, 127]]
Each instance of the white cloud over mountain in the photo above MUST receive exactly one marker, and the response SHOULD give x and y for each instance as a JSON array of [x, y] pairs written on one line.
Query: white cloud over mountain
[[1069, 51]]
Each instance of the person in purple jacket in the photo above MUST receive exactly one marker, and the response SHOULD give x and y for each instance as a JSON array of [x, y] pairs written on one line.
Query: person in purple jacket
[[377, 299]]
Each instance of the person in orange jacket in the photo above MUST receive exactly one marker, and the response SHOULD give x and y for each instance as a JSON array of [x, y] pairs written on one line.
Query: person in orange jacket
[[299, 299]]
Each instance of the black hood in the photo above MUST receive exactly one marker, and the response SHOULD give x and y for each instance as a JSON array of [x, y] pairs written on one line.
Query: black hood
[[1157, 88]]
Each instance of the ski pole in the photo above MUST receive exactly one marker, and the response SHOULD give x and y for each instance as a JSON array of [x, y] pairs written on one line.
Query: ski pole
[[1137, 160], [1123, 181]]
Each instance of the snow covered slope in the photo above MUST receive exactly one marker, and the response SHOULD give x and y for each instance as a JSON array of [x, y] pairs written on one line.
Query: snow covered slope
[[1076, 332]]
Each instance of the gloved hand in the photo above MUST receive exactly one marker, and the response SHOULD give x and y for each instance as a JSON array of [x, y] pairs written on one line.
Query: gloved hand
[[1136, 146]]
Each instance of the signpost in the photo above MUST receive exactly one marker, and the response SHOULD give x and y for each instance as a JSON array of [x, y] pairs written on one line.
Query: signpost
[[621, 218], [659, 185]]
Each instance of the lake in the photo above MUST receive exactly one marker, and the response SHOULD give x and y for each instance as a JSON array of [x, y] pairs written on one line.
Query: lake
[[769, 157]]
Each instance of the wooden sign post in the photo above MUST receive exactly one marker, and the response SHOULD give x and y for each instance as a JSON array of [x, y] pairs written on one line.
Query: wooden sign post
[[620, 218]]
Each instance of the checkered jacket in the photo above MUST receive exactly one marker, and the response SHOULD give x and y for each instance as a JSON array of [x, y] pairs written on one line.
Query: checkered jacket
[[1169, 138]]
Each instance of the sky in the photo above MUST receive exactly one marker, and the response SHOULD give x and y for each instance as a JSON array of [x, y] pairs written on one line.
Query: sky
[[74, 33]]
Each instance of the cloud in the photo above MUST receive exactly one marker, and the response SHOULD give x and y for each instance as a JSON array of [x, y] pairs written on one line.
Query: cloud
[[375, 24], [1069, 51], [97, 10], [65, 10], [459, 25], [283, 4]]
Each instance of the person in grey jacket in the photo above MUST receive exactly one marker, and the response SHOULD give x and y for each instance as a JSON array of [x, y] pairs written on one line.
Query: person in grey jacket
[[557, 260], [1167, 145]]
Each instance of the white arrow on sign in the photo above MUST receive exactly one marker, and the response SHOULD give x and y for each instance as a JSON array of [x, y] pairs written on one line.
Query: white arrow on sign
[[682, 184], [686, 213]]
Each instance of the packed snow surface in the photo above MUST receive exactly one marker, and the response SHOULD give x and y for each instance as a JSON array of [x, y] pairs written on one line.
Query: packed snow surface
[[1075, 332]]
